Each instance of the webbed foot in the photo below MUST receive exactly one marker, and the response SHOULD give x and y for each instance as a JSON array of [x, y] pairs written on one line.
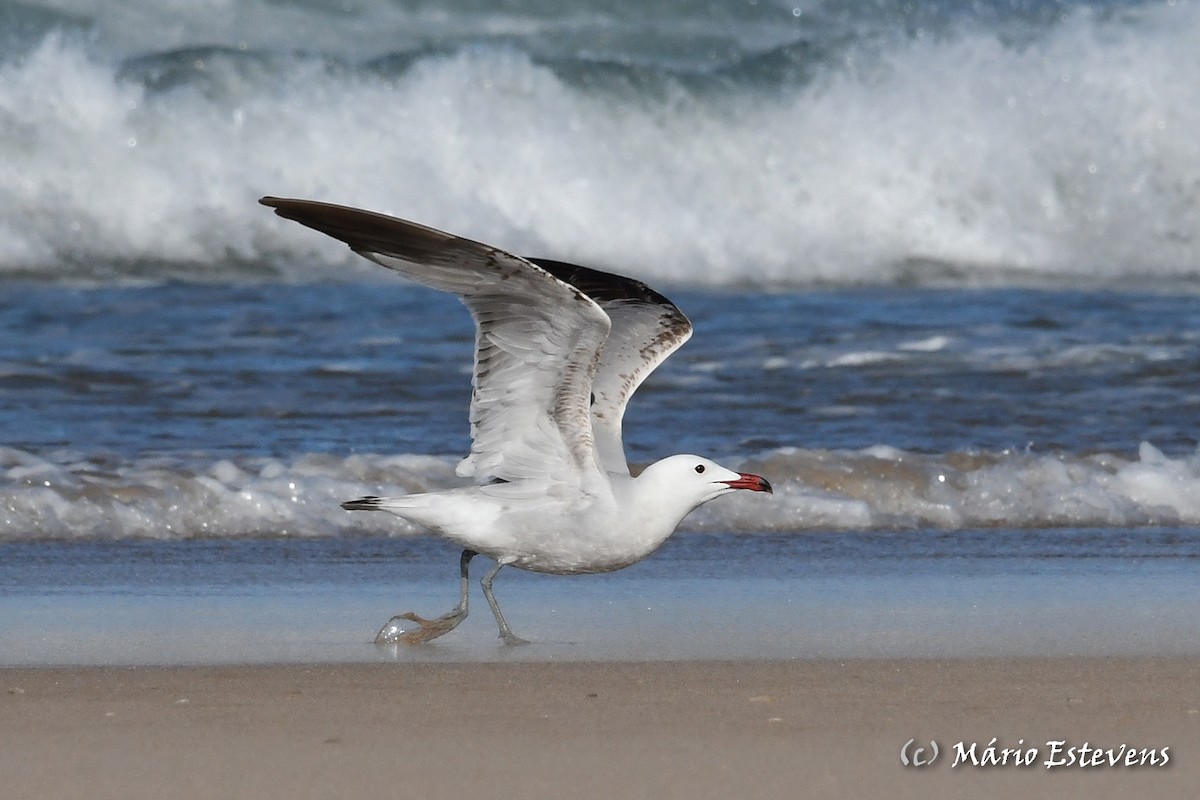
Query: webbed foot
[[511, 638], [400, 630]]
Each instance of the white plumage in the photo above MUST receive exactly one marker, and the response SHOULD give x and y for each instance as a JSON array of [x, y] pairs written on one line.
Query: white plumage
[[559, 350]]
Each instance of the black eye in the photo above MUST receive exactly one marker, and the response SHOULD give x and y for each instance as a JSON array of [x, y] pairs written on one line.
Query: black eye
[[699, 469]]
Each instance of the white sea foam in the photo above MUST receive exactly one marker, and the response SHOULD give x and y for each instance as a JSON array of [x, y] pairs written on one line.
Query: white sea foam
[[68, 495], [1067, 156], [883, 487]]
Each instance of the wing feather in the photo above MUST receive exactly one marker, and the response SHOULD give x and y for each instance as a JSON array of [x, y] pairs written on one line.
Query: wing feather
[[646, 329], [537, 340]]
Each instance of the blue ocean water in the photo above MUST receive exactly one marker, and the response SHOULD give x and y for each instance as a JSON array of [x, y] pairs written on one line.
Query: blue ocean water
[[943, 261], [179, 410]]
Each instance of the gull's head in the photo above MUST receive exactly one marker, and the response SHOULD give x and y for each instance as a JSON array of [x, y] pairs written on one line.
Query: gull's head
[[668, 490], [703, 479]]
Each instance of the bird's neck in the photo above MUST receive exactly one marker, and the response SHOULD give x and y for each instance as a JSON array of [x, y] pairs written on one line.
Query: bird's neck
[[660, 505]]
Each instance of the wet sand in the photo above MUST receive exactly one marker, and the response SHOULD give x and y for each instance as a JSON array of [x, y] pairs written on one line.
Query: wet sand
[[691, 729]]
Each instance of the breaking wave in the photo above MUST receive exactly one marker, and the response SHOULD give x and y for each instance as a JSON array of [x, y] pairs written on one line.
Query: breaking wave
[[814, 147], [73, 496]]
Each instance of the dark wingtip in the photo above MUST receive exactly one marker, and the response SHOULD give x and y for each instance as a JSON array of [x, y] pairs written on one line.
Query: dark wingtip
[[603, 286], [362, 504]]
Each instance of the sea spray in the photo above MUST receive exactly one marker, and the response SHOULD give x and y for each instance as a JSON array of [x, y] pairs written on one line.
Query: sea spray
[[71, 495], [977, 146]]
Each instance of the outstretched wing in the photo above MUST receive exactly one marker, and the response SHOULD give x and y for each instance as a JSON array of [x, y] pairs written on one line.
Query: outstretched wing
[[537, 340], [646, 329]]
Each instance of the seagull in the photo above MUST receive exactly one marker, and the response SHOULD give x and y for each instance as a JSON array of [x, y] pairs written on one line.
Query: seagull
[[559, 350]]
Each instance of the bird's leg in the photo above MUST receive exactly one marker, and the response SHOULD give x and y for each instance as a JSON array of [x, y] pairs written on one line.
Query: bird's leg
[[399, 628], [505, 632]]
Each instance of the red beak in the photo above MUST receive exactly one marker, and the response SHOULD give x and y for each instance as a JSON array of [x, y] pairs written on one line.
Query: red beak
[[755, 483]]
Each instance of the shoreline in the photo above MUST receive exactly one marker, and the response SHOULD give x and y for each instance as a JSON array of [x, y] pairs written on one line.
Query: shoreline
[[703, 597], [594, 729]]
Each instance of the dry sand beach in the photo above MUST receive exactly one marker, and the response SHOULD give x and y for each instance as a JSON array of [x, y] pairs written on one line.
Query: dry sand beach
[[604, 730]]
